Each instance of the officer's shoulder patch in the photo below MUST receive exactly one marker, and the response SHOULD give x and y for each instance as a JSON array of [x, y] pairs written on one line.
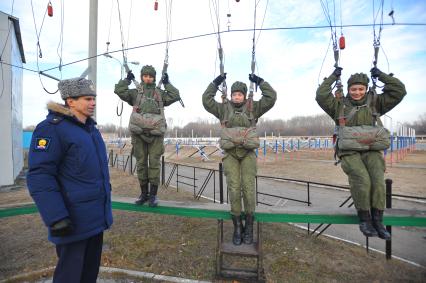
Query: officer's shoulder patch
[[56, 120], [42, 143]]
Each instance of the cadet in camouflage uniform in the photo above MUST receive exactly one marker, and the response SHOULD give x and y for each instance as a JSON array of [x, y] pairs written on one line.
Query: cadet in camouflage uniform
[[365, 169], [240, 163], [147, 148]]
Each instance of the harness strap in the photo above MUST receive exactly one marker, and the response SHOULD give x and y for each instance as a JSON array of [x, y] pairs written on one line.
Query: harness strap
[[371, 103], [157, 97], [230, 109]]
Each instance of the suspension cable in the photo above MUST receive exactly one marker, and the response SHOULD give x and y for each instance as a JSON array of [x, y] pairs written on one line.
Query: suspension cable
[[253, 53], [333, 39], [126, 67], [40, 54], [377, 35], [224, 88]]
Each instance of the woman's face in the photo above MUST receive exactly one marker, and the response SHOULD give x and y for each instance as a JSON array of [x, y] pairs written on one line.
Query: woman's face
[[357, 91]]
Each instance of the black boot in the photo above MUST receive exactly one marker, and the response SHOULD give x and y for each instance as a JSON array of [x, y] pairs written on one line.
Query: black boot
[[238, 227], [377, 216], [248, 229], [153, 201], [365, 224], [144, 195]]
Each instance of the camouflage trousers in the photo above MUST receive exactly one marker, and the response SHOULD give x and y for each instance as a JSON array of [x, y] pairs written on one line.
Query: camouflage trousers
[[240, 177], [365, 172], [148, 156]]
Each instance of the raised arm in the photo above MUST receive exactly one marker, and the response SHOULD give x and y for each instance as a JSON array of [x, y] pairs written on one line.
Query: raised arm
[[393, 92], [209, 103], [325, 97], [123, 91], [170, 93], [267, 101]]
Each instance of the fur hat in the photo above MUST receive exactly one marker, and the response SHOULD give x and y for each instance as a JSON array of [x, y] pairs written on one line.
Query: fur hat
[[76, 87]]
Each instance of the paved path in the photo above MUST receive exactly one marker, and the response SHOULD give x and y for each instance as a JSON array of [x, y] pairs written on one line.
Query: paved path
[[408, 243]]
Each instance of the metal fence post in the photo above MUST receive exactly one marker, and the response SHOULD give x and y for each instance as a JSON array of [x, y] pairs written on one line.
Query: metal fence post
[[111, 154], [389, 227], [131, 163], [163, 171], [221, 182]]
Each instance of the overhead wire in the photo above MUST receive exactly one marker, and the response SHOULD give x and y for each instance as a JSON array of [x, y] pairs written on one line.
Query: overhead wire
[[210, 34]]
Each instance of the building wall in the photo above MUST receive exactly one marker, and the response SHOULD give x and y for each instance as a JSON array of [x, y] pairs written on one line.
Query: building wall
[[11, 153], [16, 111]]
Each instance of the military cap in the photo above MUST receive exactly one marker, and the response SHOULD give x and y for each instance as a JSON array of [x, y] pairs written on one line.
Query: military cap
[[76, 87], [148, 70], [239, 86], [358, 78]]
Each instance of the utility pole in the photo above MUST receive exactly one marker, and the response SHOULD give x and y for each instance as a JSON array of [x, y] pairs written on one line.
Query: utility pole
[[93, 47]]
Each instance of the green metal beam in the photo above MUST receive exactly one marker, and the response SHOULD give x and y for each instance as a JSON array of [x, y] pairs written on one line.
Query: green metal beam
[[220, 214]]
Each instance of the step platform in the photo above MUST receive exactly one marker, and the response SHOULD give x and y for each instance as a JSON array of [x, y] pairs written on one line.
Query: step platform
[[254, 250]]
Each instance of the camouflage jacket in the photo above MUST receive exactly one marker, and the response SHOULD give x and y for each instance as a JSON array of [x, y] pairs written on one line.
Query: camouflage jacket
[[218, 109], [393, 92], [149, 104]]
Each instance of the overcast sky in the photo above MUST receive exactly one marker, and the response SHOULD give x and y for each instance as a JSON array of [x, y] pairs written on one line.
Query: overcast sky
[[290, 60]]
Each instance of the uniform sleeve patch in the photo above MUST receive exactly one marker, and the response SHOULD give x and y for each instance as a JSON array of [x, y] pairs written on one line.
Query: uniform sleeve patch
[[42, 144]]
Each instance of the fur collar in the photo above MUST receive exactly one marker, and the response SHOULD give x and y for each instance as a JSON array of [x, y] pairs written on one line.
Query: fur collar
[[59, 108]]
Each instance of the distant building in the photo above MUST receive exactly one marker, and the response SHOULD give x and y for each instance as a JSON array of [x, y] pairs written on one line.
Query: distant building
[[11, 87]]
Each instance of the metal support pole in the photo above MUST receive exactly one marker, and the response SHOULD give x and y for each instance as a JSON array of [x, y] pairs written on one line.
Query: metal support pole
[[163, 170], [221, 182], [388, 227], [93, 41]]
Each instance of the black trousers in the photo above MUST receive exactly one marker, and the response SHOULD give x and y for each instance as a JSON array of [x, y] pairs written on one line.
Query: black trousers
[[79, 261]]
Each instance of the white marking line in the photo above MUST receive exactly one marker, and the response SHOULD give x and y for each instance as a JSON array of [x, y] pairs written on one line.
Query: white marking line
[[361, 245], [141, 274]]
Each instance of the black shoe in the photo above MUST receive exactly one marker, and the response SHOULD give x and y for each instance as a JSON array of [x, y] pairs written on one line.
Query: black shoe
[[144, 195], [365, 224], [238, 227], [377, 216], [248, 229], [153, 201]]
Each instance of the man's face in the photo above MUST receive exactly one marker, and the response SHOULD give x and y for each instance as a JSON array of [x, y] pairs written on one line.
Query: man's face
[[237, 97], [148, 79], [357, 91], [83, 105]]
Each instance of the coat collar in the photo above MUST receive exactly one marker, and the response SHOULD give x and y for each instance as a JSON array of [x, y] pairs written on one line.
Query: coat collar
[[62, 110]]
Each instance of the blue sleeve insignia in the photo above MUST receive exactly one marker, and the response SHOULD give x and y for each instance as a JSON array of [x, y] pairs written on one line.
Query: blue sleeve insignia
[[42, 144]]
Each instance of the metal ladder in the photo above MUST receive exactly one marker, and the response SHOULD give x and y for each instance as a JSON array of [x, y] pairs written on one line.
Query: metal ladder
[[228, 248]]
